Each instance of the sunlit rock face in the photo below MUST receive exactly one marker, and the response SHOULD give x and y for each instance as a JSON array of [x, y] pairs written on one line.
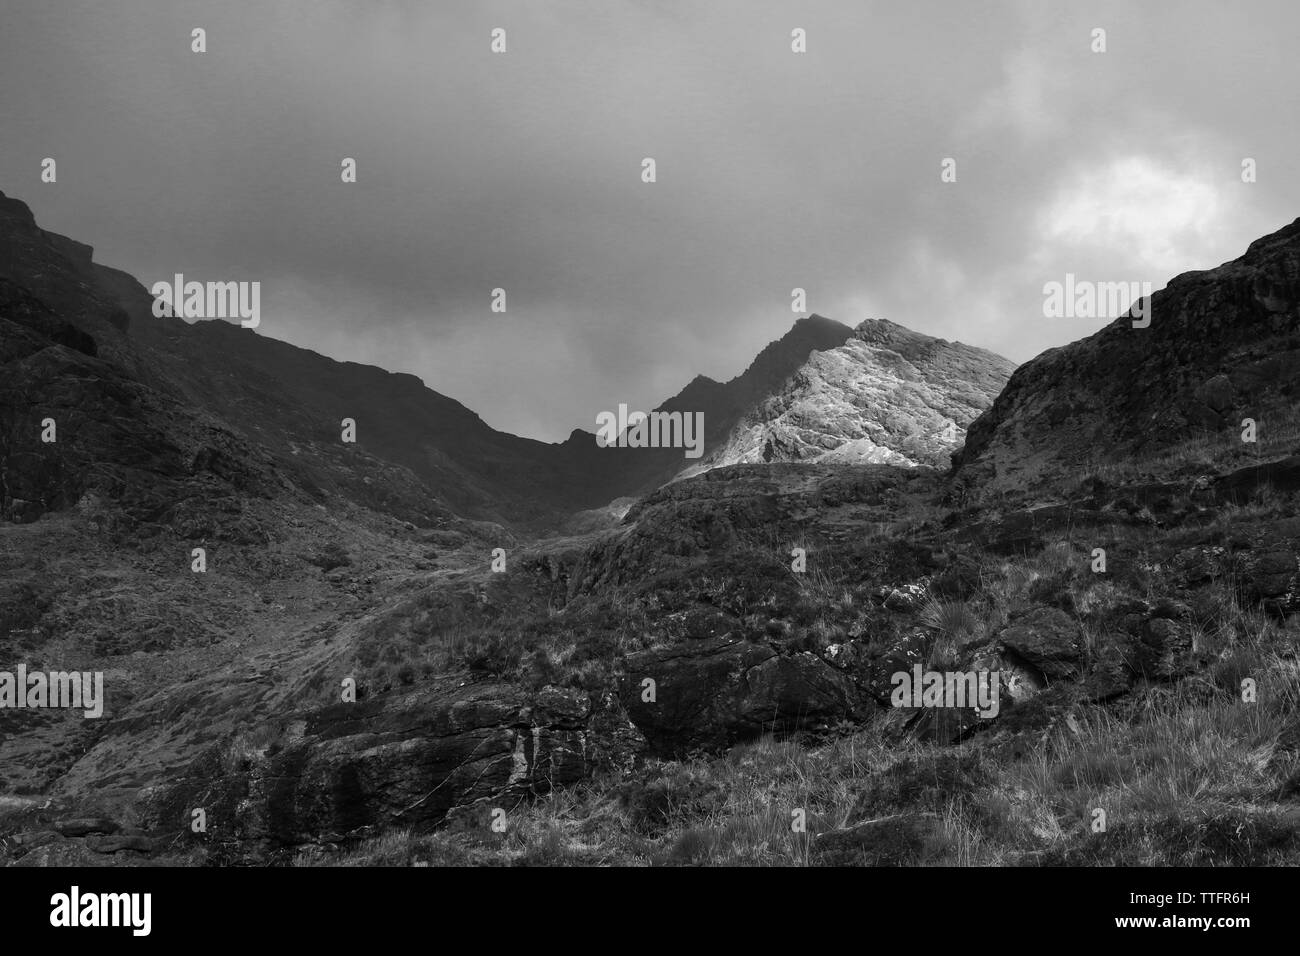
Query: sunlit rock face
[[887, 396]]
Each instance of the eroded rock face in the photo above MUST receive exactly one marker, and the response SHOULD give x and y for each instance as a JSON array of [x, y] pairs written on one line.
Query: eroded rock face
[[113, 435], [1222, 345], [398, 760], [60, 273], [887, 396], [713, 692]]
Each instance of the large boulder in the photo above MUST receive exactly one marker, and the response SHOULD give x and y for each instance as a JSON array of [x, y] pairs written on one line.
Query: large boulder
[[714, 692], [1269, 578], [1048, 639]]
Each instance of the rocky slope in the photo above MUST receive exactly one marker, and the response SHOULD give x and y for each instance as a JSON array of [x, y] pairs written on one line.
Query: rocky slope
[[173, 436], [1223, 346], [886, 396], [481, 693]]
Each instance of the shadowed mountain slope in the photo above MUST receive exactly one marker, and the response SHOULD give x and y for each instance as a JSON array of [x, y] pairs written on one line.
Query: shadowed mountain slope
[[290, 401], [1223, 346]]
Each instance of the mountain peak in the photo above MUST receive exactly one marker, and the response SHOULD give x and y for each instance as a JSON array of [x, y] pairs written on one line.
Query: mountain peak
[[886, 395], [814, 318]]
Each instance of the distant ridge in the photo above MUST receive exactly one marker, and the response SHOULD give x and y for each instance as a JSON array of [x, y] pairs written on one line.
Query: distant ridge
[[287, 403]]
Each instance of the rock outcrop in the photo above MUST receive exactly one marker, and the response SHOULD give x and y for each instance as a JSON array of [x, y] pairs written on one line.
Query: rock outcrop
[[397, 760], [715, 692], [1222, 346]]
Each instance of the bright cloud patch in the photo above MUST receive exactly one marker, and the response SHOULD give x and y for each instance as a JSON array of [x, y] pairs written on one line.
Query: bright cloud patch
[[1163, 220]]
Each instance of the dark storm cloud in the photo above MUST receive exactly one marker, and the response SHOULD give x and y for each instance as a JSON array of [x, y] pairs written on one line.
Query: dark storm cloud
[[522, 170]]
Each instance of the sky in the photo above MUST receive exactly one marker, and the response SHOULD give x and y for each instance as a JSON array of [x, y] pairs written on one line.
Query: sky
[[522, 170]]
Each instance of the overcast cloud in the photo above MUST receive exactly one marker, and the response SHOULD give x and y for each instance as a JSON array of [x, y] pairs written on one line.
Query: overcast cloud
[[523, 170]]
